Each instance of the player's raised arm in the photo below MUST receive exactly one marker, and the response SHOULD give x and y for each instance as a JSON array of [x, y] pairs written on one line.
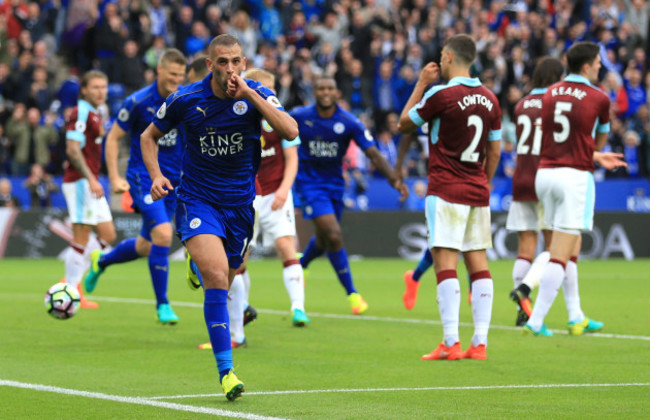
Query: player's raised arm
[[281, 122], [429, 74], [149, 145], [118, 184], [382, 165]]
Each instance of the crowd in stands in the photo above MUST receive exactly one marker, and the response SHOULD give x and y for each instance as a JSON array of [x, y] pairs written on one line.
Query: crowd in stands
[[374, 48]]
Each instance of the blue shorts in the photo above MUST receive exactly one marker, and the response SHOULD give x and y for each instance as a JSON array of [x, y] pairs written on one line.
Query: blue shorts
[[232, 224], [315, 203], [153, 213]]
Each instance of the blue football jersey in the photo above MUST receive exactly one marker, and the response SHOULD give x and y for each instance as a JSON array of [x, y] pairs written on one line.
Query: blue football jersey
[[134, 117], [223, 149], [323, 143]]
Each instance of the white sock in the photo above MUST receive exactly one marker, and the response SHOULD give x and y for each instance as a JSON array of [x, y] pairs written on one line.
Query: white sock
[[247, 287], [295, 283], [534, 275], [449, 307], [571, 292], [552, 279], [75, 266], [235, 306], [482, 296], [519, 270]]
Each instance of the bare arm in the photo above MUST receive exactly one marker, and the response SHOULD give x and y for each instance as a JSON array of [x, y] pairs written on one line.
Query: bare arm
[[113, 138], [160, 185], [281, 122], [493, 154], [428, 75], [404, 146], [77, 160], [601, 140], [290, 171], [382, 165]]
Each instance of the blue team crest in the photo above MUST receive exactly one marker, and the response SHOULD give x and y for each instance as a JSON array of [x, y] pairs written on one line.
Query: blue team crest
[[266, 126], [196, 222], [339, 128], [148, 199], [240, 107]]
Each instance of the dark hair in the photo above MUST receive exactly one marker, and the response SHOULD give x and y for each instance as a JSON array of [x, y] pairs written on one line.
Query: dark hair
[[225, 40], [548, 71], [464, 48], [199, 66], [581, 53], [173, 55], [324, 77]]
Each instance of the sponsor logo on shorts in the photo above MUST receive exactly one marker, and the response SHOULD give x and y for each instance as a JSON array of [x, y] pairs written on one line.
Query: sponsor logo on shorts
[[196, 222]]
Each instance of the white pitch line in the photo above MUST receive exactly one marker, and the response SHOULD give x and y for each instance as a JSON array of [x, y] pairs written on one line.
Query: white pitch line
[[372, 318], [351, 317], [433, 388], [137, 400]]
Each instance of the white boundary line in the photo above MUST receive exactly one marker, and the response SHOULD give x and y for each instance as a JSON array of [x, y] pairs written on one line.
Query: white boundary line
[[137, 400], [433, 388], [350, 317]]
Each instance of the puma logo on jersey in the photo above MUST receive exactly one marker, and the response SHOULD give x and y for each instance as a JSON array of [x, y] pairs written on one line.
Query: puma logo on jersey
[[151, 109], [309, 123], [203, 111]]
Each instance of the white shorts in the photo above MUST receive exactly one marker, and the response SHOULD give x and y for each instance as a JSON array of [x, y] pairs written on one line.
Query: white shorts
[[457, 226], [526, 215], [568, 196], [273, 224], [83, 207]]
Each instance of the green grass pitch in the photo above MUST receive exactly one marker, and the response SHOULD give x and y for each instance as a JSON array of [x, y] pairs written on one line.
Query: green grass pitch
[[116, 362]]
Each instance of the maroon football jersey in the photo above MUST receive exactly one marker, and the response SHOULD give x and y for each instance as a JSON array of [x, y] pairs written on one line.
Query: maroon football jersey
[[271, 169], [462, 116], [573, 111], [85, 126], [528, 117]]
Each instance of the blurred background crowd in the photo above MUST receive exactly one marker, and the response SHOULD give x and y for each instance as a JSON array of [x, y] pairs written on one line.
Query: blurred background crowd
[[374, 48]]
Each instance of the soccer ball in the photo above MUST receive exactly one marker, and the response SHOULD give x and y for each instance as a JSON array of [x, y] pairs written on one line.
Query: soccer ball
[[62, 301]]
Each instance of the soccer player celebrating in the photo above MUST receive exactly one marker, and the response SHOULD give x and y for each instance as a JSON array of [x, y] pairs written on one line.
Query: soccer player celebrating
[[155, 236], [325, 133], [222, 115], [572, 111], [525, 210], [465, 122], [83, 193]]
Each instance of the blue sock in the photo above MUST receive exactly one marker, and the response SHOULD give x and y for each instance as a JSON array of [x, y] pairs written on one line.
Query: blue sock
[[196, 271], [123, 252], [339, 260], [159, 269], [215, 312], [311, 252], [425, 263]]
